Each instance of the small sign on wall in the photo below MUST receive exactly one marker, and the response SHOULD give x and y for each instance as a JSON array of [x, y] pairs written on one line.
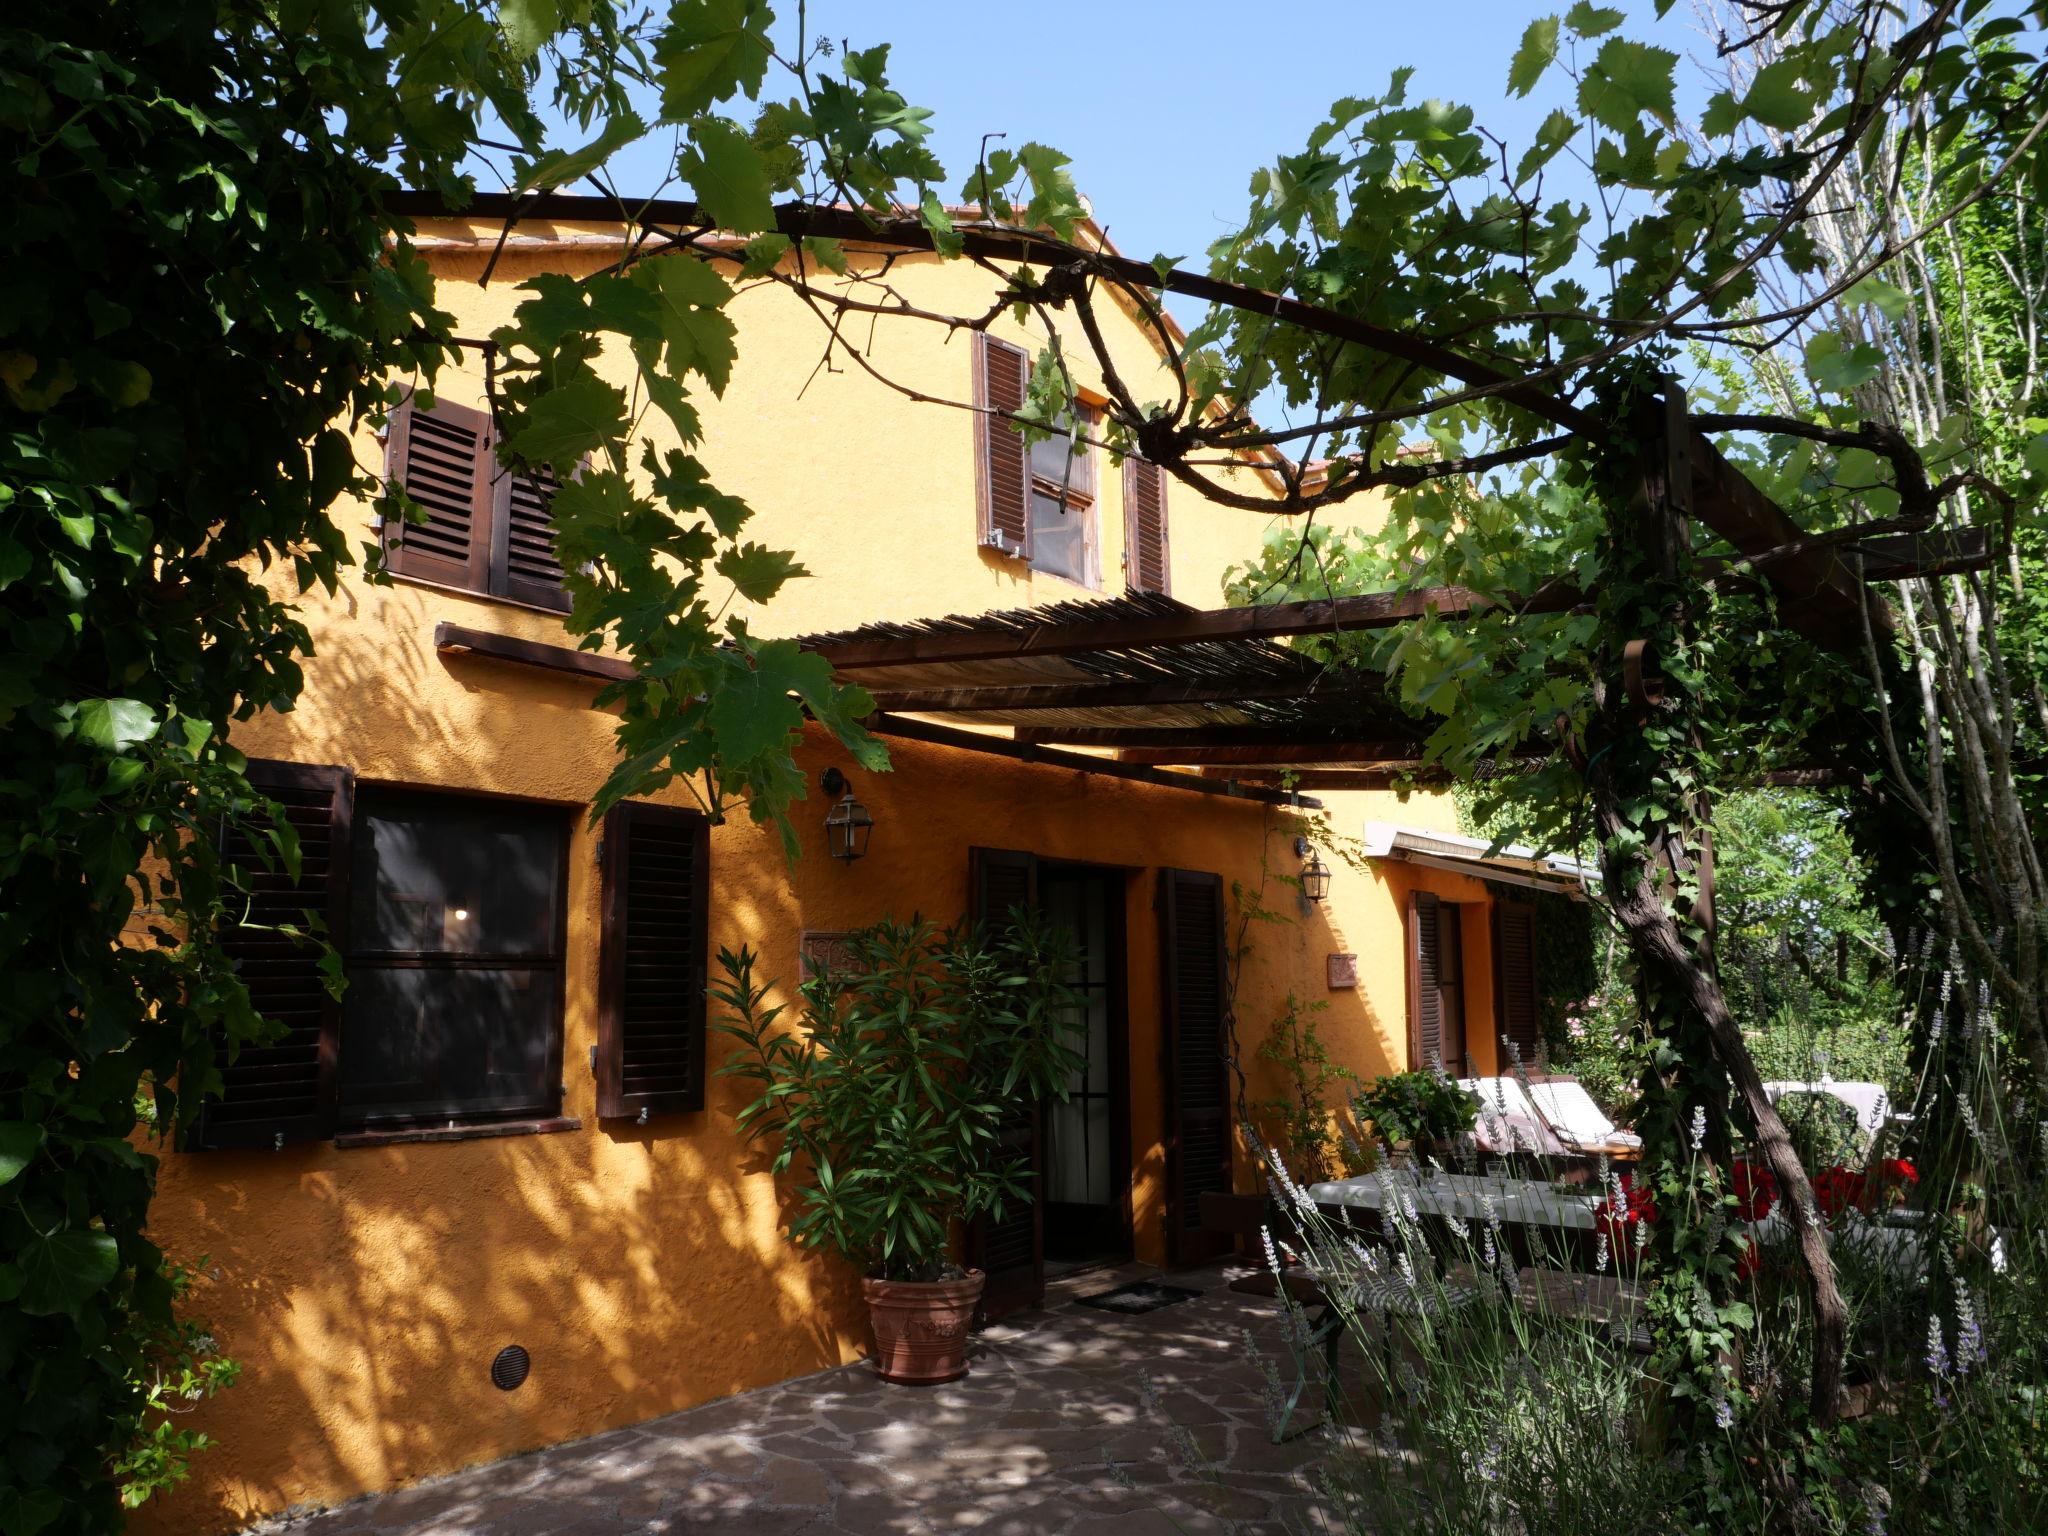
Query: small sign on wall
[[1343, 972], [819, 949]]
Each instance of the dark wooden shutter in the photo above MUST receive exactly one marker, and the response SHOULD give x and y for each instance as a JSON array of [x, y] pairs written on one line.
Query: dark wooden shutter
[[1010, 1251], [1147, 567], [1002, 377], [284, 1090], [650, 1005], [523, 562], [1514, 978], [1193, 991], [443, 459], [1425, 980]]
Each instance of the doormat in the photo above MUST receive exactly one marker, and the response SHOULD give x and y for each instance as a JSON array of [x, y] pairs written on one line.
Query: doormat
[[1138, 1296]]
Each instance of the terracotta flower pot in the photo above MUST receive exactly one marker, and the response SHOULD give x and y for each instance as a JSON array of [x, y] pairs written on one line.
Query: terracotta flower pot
[[921, 1327]]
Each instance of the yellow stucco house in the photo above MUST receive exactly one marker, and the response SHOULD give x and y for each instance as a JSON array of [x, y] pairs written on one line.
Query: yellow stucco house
[[385, 1209]]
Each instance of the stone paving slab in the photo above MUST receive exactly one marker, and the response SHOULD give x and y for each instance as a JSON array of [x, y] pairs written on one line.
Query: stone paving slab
[[1072, 1422]]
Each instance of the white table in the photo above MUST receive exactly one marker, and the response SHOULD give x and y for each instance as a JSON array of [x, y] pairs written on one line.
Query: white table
[[1463, 1197]]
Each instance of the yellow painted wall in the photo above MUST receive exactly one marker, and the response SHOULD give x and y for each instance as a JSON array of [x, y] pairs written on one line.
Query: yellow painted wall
[[365, 1290], [874, 491]]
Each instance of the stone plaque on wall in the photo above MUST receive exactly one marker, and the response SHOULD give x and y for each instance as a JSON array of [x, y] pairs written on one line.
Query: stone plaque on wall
[[1343, 971], [819, 948]]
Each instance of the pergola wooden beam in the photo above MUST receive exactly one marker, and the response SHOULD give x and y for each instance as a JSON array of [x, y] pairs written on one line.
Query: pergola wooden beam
[[1265, 621], [1081, 762], [1111, 695], [1301, 754], [1292, 736], [1395, 775], [1826, 600], [1385, 776]]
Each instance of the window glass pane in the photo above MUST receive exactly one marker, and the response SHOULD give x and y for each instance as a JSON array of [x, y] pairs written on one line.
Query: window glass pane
[[434, 1040], [440, 875], [1051, 457], [1061, 538]]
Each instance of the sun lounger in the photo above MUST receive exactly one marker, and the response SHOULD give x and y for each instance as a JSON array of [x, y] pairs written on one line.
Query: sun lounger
[[1508, 1123], [1571, 1113]]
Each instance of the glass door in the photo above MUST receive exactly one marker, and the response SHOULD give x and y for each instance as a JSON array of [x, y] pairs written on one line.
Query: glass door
[[1087, 1164]]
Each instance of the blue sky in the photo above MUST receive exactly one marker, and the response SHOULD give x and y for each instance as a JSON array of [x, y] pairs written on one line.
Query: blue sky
[[1167, 109]]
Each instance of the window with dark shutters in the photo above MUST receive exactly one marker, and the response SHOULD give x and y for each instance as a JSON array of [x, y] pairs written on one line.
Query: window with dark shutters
[[1514, 978], [523, 561], [1195, 993], [1002, 377], [442, 459], [283, 1090], [1009, 1250], [1147, 566], [487, 530], [651, 997]]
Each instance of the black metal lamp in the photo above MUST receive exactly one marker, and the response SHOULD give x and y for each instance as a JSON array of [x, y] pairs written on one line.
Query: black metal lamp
[[848, 825], [1315, 874]]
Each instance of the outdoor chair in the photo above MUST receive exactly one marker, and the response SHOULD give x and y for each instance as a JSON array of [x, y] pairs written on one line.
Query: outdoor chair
[[1570, 1111], [1253, 1217]]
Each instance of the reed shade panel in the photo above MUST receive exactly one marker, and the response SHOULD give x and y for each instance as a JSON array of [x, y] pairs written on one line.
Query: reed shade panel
[[1203, 684]]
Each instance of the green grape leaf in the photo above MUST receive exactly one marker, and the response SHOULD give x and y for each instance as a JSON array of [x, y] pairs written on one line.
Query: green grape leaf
[[710, 51], [730, 176], [567, 422], [1539, 47]]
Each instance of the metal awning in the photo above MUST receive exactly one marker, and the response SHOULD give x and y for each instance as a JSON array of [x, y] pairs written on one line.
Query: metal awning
[[1475, 856]]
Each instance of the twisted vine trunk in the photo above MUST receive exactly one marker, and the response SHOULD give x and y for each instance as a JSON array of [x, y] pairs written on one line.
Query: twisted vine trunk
[[1677, 969], [1652, 758]]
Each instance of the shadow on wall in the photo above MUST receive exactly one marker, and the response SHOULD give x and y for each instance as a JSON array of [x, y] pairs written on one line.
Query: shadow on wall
[[366, 1291]]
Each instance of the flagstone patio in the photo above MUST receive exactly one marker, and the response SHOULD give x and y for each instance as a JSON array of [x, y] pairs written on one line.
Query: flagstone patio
[[1073, 1422]]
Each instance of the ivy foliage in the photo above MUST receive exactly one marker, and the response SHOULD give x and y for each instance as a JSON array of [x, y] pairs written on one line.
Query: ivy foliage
[[205, 297]]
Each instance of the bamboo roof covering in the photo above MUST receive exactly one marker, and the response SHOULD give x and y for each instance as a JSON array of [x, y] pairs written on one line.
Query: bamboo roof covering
[[1152, 681]]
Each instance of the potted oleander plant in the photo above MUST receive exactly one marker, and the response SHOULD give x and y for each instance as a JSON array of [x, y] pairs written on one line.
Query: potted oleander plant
[[1417, 1109], [886, 1103]]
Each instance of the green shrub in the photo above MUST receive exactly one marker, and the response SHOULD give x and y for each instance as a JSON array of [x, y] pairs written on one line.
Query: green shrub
[[1307, 1138], [1417, 1106], [888, 1103]]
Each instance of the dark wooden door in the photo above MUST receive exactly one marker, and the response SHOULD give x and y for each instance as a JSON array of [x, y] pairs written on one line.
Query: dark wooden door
[[1009, 1249], [1194, 995]]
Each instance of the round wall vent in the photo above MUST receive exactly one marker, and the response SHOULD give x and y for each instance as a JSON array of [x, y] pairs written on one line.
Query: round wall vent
[[510, 1368]]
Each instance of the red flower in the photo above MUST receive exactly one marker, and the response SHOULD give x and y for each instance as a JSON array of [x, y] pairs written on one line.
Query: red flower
[[1896, 1170], [1756, 1189], [1618, 1219], [1836, 1189], [1749, 1256]]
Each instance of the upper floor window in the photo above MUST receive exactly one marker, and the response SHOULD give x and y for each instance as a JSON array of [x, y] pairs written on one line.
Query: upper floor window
[[1041, 503], [1063, 525], [487, 530]]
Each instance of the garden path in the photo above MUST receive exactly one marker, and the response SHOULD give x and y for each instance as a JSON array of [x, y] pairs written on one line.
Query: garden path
[[1073, 1422]]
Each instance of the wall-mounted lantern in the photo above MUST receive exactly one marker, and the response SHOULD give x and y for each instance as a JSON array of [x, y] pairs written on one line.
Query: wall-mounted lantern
[[1315, 874], [848, 824]]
